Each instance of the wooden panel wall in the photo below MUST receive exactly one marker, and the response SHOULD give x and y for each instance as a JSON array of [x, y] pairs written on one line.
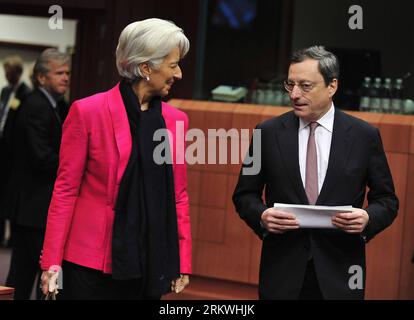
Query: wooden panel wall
[[225, 248]]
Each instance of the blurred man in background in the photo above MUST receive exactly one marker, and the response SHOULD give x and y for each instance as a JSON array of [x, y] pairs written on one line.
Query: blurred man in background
[[36, 158], [11, 98]]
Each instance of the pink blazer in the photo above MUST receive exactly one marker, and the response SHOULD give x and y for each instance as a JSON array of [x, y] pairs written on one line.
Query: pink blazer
[[95, 149]]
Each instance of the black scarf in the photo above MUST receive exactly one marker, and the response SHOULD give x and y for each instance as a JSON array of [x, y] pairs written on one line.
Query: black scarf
[[145, 236]]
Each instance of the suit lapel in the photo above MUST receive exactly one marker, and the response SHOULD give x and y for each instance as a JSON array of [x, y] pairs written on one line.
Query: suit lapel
[[56, 113], [121, 128], [341, 145], [49, 103], [287, 136]]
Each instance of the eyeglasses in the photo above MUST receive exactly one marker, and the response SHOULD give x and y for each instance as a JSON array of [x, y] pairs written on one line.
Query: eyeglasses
[[305, 86]]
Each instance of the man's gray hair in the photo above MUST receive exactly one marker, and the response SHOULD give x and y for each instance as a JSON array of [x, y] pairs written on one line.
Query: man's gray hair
[[148, 41], [41, 66], [328, 62]]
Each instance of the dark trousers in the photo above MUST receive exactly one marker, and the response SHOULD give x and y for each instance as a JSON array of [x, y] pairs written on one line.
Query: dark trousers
[[310, 288], [24, 265], [82, 283]]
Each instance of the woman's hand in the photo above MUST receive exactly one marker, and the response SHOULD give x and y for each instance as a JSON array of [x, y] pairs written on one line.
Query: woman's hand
[[49, 280], [179, 284], [45, 278]]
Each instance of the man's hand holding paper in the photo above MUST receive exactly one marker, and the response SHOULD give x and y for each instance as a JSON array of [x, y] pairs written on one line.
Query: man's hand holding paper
[[351, 222], [284, 217], [276, 221]]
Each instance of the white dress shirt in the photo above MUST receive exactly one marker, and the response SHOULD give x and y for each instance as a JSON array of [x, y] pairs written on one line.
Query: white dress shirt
[[323, 138]]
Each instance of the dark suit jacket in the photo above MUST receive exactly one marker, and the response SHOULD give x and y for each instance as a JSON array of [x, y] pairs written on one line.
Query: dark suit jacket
[[36, 157], [6, 141], [357, 160], [22, 93]]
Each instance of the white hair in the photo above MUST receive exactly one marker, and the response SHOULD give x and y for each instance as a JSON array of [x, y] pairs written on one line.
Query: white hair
[[148, 41]]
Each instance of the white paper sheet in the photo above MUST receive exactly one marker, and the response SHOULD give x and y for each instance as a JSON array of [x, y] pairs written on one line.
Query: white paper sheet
[[313, 216]]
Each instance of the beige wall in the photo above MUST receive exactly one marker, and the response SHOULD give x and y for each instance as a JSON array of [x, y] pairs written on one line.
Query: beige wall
[[34, 31]]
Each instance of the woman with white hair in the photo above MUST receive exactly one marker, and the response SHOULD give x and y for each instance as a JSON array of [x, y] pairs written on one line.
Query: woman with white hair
[[118, 223]]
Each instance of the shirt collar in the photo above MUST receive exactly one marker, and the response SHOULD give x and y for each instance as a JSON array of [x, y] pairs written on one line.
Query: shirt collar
[[326, 121], [49, 97]]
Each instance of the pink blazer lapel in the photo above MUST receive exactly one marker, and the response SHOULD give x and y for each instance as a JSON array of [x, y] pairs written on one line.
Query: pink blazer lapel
[[121, 128], [123, 135]]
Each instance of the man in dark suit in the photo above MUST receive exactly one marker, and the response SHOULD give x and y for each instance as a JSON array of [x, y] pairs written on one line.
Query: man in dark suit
[[316, 154], [11, 97], [36, 158]]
